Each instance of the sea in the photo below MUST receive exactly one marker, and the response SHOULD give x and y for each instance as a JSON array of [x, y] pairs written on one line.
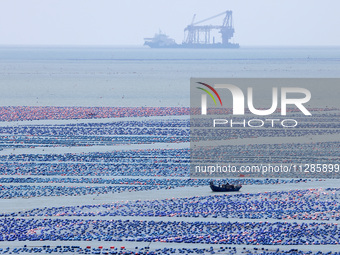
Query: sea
[[141, 76]]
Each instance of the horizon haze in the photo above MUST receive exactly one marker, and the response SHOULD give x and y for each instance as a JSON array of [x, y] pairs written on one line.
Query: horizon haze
[[117, 23]]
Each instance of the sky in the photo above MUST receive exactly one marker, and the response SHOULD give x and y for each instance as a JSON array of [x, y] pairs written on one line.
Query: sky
[[127, 22]]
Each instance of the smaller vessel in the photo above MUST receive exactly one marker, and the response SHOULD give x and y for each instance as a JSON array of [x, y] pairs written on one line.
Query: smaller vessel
[[225, 187], [161, 40]]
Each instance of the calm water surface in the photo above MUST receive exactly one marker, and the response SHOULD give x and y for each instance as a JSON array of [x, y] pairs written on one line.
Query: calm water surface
[[91, 76]]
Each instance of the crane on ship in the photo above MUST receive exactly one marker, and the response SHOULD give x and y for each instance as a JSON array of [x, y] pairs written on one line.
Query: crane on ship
[[198, 35], [201, 34]]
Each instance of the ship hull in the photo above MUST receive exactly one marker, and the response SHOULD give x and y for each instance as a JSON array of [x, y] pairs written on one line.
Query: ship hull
[[194, 46], [225, 188]]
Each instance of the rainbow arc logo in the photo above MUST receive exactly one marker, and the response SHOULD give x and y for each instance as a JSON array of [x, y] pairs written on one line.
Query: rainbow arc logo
[[209, 93]]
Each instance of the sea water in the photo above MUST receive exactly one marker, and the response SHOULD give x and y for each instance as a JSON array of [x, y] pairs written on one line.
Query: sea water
[[67, 76], [140, 76]]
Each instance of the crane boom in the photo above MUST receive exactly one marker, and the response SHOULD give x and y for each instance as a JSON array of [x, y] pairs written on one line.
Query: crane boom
[[193, 19], [215, 16]]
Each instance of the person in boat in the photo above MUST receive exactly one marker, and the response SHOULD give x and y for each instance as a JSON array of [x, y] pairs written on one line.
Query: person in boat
[[228, 186]]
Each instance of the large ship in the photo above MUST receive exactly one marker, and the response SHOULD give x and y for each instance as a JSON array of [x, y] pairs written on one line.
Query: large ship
[[198, 35]]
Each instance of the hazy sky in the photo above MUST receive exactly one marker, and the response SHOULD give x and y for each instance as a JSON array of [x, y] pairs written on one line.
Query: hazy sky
[[127, 22]]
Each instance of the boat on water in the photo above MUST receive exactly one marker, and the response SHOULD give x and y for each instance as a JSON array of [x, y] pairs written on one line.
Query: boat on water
[[199, 36], [161, 40], [225, 187]]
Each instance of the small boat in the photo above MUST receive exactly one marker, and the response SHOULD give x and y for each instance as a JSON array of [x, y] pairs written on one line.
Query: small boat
[[225, 187]]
